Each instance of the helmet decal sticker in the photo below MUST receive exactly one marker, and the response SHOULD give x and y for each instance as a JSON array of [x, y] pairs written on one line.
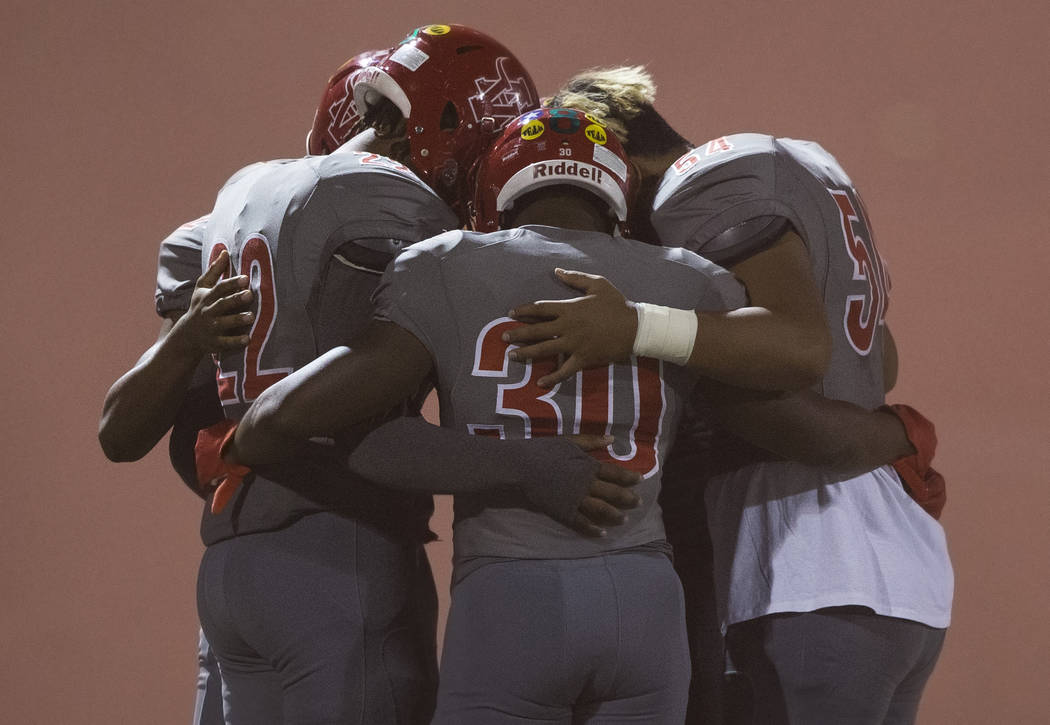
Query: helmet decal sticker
[[596, 133], [409, 56], [611, 161], [532, 130]]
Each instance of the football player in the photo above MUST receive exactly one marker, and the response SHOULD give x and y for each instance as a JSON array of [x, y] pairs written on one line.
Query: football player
[[814, 573], [172, 386]]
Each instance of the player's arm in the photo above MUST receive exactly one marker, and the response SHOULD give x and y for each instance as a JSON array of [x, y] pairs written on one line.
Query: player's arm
[[809, 428], [343, 389], [331, 395], [143, 403], [778, 342], [555, 473]]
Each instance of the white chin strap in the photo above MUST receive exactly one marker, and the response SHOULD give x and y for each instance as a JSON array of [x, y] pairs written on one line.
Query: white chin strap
[[554, 172], [379, 85]]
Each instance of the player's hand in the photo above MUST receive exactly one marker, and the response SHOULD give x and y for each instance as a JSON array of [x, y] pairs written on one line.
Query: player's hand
[[589, 331], [926, 488], [609, 495], [922, 482], [219, 317], [212, 470]]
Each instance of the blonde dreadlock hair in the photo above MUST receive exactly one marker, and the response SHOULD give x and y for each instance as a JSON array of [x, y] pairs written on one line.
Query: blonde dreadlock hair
[[622, 98]]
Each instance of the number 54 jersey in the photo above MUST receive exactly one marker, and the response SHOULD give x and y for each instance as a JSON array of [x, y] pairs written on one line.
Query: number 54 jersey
[[789, 537], [453, 292], [313, 235]]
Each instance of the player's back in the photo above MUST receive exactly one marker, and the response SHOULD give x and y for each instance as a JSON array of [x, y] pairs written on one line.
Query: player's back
[[313, 234], [453, 293]]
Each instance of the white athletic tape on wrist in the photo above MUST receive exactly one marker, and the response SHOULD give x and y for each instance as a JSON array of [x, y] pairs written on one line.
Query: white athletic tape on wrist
[[664, 333]]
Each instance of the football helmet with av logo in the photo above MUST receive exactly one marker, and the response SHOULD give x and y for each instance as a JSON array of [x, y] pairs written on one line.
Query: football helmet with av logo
[[547, 147], [336, 114], [457, 88]]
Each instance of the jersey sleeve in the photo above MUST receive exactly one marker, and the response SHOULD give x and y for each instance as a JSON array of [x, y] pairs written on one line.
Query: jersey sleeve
[[412, 293], [716, 188], [179, 266], [375, 197]]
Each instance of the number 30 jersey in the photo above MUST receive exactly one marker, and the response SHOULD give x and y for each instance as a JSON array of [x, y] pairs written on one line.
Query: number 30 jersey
[[734, 179], [453, 292], [313, 235]]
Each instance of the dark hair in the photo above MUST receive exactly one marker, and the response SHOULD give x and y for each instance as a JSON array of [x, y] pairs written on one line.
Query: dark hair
[[649, 134]]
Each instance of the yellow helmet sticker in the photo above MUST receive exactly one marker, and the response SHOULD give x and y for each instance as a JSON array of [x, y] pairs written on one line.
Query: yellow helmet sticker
[[533, 130], [592, 119], [437, 30], [596, 134]]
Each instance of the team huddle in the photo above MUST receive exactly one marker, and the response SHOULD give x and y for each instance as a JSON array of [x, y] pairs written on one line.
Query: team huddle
[[661, 370]]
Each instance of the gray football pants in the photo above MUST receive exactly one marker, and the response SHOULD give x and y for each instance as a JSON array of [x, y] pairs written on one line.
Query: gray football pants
[[207, 709], [836, 666], [599, 640], [325, 621]]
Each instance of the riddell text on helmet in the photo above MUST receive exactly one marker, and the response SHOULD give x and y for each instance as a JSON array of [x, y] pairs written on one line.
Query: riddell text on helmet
[[567, 168]]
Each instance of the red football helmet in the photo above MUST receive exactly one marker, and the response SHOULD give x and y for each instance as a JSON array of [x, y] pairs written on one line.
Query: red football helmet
[[457, 88], [337, 114], [546, 147]]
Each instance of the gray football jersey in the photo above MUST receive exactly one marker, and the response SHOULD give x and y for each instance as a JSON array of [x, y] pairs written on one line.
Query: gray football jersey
[[179, 266], [281, 221], [313, 234], [733, 179], [453, 292]]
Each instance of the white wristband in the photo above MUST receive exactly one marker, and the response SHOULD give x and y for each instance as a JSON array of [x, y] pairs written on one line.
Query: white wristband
[[664, 333]]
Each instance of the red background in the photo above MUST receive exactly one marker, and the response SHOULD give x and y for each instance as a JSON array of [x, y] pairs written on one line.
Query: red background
[[122, 119]]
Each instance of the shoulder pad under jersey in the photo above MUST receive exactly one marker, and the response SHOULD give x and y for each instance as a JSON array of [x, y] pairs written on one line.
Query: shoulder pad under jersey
[[725, 184], [702, 159], [441, 245], [378, 197], [179, 266], [816, 160]]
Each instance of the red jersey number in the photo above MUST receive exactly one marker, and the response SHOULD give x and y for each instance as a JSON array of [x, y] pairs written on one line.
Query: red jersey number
[[244, 382], [598, 409], [863, 313]]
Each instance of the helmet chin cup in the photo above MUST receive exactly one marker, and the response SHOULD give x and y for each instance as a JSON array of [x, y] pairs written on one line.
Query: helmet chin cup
[[449, 173]]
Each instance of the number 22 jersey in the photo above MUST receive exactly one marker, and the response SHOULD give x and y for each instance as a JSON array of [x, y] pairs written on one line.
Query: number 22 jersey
[[313, 235]]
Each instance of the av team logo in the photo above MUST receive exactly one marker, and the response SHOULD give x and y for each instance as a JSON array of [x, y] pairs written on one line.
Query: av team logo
[[507, 97], [342, 114]]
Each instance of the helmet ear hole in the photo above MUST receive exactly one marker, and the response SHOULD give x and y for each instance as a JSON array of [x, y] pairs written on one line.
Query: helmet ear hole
[[449, 117]]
